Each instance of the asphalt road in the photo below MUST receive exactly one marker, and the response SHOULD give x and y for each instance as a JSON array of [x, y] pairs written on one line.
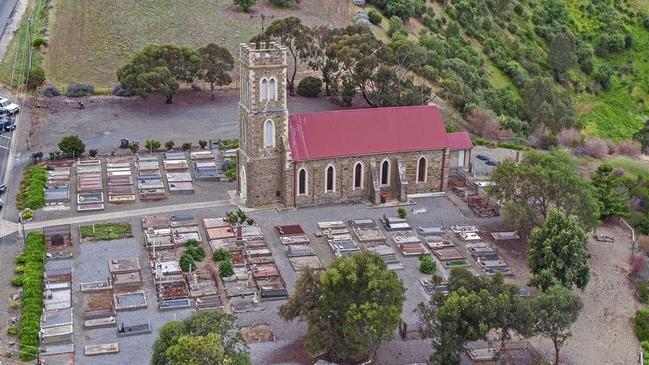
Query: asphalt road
[[6, 10]]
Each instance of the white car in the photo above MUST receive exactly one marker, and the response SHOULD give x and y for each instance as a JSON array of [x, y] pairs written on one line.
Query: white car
[[7, 107]]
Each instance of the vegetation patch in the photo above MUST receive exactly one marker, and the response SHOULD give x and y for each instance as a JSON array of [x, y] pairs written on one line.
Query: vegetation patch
[[105, 231], [33, 258], [31, 193]]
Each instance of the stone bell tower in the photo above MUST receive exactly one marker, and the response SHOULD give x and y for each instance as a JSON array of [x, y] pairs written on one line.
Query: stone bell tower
[[263, 123]]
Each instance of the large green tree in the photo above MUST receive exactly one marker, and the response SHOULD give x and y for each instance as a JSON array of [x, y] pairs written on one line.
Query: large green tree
[[215, 67], [542, 181], [351, 308], [610, 192], [72, 145], [642, 136], [558, 252], [207, 337], [475, 306], [159, 69], [296, 37], [547, 105], [562, 55], [555, 310]]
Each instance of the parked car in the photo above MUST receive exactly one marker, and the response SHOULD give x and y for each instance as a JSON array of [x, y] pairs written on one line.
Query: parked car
[[8, 107], [8, 125], [1, 204]]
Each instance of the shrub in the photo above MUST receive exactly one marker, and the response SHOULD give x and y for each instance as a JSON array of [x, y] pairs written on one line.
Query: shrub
[[195, 250], [31, 194], [169, 145], [93, 152], [51, 91], [79, 90], [396, 27], [118, 90], [642, 292], [226, 269], [39, 41], [427, 265], [187, 262], [19, 269], [642, 324], [134, 147], [231, 171], [151, 145], [596, 147], [282, 3], [202, 143], [309, 86], [638, 268], [569, 137], [401, 212], [221, 255], [72, 145], [374, 17], [32, 305], [629, 147], [14, 304], [27, 214], [186, 146], [36, 78], [17, 280], [12, 331]]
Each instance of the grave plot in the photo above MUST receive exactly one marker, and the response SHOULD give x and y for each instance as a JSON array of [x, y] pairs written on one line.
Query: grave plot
[[392, 224], [388, 256], [125, 273], [339, 238], [177, 172], [220, 235], [58, 240], [57, 188], [184, 228], [171, 286], [204, 165], [105, 232], [101, 349], [130, 301], [430, 231], [203, 289], [367, 232], [242, 292], [302, 257], [133, 330], [90, 185], [451, 257], [487, 258], [120, 180], [157, 233], [149, 178], [292, 234], [408, 243], [96, 286], [98, 306], [57, 321], [505, 236], [435, 243]]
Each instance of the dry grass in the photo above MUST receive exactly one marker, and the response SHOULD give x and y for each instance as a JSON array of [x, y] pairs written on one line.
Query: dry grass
[[90, 38]]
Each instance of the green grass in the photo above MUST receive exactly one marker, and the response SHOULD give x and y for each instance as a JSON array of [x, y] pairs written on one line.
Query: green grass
[[32, 305], [456, 263], [105, 231], [14, 66], [631, 167]]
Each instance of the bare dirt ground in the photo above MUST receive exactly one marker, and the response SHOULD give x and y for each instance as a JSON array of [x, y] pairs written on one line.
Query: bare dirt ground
[[603, 333]]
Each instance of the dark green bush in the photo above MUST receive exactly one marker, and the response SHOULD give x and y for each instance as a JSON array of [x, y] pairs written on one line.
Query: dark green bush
[[32, 306], [427, 265], [374, 17], [187, 262], [642, 292], [282, 3], [39, 41], [51, 91], [309, 86], [79, 90], [195, 250], [221, 255], [12, 330], [17, 280], [226, 269], [642, 324], [36, 78]]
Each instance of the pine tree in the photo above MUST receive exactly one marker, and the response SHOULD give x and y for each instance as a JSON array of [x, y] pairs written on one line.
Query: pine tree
[[610, 193]]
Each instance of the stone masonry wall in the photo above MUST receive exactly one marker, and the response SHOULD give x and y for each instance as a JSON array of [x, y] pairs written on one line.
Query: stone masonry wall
[[344, 167]]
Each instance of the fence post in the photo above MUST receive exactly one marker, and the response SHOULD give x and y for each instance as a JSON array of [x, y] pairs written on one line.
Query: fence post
[[633, 240]]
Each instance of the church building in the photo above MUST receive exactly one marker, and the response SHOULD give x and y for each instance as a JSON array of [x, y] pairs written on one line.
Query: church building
[[370, 154]]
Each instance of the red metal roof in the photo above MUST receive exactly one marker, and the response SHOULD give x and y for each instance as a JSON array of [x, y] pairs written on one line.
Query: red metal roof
[[459, 140], [368, 131]]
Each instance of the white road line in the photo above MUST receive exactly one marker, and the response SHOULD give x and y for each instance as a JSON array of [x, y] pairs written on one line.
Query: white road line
[[6, 148], [3, 136]]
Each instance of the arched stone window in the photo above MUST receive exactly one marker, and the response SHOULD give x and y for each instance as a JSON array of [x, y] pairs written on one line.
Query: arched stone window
[[263, 89], [385, 172], [302, 180], [330, 179], [358, 175], [272, 89], [269, 134], [422, 169]]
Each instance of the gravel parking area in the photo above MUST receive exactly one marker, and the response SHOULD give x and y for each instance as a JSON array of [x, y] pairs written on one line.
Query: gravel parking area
[[106, 120]]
